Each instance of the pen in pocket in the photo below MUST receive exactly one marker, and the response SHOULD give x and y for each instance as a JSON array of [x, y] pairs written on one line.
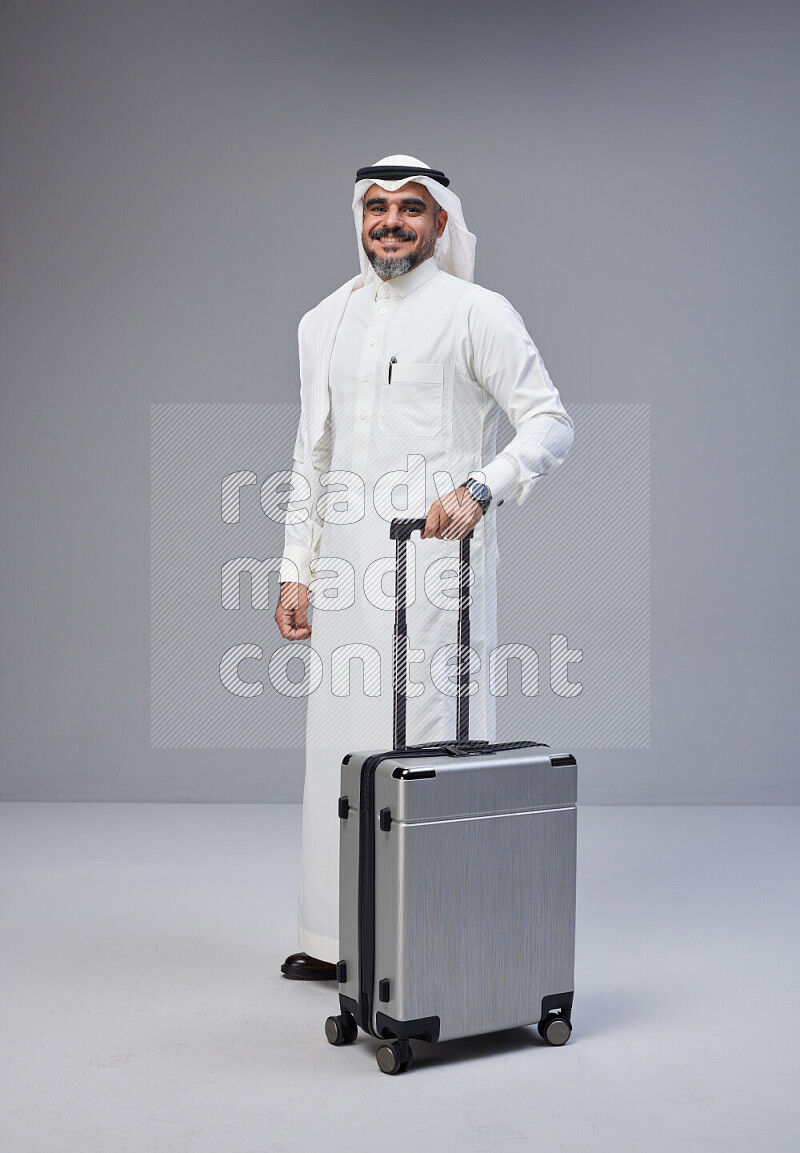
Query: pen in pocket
[[391, 362]]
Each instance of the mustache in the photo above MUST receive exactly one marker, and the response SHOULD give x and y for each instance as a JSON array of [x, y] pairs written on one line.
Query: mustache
[[396, 234]]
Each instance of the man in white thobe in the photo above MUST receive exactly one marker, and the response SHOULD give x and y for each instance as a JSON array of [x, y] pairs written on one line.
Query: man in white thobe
[[404, 372]]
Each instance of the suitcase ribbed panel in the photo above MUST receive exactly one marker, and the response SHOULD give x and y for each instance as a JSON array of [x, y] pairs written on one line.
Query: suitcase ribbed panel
[[474, 918]]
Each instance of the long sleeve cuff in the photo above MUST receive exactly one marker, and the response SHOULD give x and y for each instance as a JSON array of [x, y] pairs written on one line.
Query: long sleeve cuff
[[502, 475], [296, 564]]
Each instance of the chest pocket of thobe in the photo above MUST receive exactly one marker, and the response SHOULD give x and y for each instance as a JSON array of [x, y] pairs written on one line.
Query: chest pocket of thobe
[[411, 403]]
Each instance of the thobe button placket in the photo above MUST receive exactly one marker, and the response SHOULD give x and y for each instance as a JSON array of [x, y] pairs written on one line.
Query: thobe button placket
[[369, 372]]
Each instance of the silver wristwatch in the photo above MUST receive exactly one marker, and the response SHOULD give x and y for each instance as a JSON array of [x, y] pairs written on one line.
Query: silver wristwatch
[[479, 492]]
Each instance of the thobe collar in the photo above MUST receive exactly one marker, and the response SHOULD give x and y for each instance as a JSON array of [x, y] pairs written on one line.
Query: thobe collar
[[401, 286]]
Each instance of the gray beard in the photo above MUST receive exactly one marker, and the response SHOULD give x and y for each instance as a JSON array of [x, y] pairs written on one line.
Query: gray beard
[[388, 268]]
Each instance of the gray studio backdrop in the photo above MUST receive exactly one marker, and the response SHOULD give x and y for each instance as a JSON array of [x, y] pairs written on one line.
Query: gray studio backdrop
[[175, 192]]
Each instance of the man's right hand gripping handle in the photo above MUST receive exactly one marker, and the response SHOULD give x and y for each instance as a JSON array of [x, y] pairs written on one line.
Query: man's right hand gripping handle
[[291, 615]]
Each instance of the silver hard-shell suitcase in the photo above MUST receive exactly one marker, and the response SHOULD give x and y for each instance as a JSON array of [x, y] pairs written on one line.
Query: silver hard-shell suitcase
[[457, 877]]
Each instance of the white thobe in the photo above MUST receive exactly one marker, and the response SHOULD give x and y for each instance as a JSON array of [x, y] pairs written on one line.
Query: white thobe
[[457, 354]]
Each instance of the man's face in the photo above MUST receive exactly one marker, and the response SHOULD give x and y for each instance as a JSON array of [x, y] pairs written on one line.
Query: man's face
[[400, 229]]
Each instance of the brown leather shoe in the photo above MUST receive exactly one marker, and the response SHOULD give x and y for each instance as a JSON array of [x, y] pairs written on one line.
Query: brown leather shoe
[[301, 967]]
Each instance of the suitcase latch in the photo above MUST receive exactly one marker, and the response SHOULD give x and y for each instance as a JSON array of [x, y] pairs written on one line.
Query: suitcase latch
[[386, 820]]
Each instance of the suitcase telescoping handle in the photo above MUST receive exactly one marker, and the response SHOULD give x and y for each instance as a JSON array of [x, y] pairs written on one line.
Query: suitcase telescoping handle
[[400, 531]]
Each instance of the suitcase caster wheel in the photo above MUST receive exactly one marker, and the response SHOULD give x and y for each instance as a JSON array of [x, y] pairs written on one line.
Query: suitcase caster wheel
[[341, 1030], [555, 1030], [391, 1060]]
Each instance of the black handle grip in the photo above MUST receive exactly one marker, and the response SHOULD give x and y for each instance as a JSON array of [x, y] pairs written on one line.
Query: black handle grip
[[402, 529]]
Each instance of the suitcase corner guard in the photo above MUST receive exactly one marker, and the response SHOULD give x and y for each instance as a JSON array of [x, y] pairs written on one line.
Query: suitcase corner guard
[[422, 1029]]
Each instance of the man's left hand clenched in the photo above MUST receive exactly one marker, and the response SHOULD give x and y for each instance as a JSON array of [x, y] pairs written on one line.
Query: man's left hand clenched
[[452, 517]]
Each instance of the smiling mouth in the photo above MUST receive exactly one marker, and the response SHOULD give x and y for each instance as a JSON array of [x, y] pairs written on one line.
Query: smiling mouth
[[387, 239]]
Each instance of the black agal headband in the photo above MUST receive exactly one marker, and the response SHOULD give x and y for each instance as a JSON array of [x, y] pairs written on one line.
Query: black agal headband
[[399, 172]]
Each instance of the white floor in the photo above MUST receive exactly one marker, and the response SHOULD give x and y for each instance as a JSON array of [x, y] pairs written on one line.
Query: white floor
[[143, 1010]]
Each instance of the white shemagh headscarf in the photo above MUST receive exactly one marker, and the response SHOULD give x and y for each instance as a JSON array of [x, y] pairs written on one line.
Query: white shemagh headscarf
[[455, 248], [454, 253]]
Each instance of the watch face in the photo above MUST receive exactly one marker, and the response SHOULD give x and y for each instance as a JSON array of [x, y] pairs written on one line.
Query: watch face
[[481, 492]]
